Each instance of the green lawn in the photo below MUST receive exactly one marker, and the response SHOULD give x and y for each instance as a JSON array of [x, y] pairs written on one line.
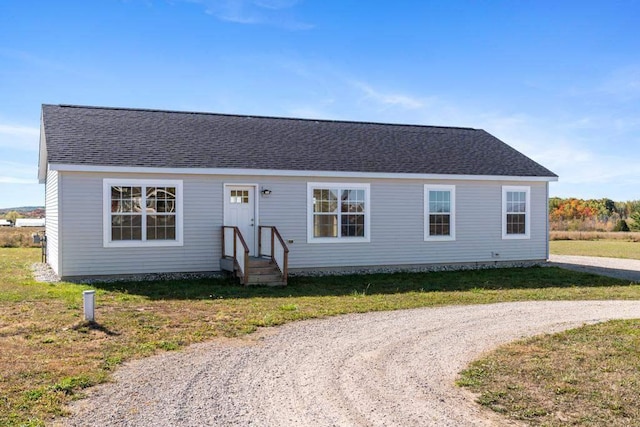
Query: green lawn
[[49, 355], [598, 248], [582, 377]]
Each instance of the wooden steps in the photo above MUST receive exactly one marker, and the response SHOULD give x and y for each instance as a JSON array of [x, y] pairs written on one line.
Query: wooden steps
[[264, 272], [252, 270]]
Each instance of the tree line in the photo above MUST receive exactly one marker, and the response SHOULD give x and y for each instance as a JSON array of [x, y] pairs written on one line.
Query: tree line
[[573, 214]]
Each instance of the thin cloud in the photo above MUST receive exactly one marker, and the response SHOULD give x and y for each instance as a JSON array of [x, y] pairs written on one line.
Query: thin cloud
[[46, 64], [614, 121], [276, 4], [19, 130], [390, 99], [275, 13], [567, 151], [19, 137], [14, 180], [623, 83], [33, 60], [586, 174], [17, 173]]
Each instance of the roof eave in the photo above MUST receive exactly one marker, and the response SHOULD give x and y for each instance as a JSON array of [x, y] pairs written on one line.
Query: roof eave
[[294, 173]]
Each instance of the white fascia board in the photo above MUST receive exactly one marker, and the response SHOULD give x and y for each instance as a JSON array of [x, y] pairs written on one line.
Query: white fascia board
[[276, 172], [42, 155]]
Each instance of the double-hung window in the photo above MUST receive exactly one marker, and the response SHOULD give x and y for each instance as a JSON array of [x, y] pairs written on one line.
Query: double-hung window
[[516, 217], [440, 203], [142, 212], [337, 212]]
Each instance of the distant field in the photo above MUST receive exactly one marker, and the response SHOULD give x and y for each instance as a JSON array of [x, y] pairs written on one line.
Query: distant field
[[18, 237], [598, 248], [594, 235]]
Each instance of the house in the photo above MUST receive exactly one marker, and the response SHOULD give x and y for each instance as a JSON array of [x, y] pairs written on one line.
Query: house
[[137, 191], [30, 222]]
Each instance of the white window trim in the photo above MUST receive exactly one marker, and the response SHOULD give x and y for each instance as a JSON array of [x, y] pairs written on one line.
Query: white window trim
[[107, 183], [527, 219], [340, 185], [439, 187]]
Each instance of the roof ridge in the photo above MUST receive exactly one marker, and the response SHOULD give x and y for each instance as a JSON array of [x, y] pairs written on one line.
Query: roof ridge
[[302, 119]]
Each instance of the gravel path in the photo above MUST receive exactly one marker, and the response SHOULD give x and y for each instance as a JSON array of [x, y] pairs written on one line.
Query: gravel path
[[374, 369], [627, 269]]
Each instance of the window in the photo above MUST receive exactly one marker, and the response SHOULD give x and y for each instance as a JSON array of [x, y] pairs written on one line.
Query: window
[[440, 203], [239, 196], [338, 212], [515, 212], [142, 213]]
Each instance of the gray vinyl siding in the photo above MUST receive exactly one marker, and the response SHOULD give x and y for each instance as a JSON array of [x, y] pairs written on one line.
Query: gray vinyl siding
[[397, 230], [396, 215], [52, 220], [85, 253]]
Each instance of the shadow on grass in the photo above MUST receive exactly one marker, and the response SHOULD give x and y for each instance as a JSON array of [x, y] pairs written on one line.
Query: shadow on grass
[[90, 325], [370, 284]]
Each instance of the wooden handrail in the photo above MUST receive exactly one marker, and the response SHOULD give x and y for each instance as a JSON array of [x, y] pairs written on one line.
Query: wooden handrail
[[285, 261], [277, 234], [244, 244], [284, 268], [238, 234]]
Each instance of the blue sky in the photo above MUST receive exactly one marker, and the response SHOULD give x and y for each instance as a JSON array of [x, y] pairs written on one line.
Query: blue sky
[[558, 80]]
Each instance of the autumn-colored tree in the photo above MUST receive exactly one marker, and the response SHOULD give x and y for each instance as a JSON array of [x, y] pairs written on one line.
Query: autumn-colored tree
[[567, 209], [592, 214]]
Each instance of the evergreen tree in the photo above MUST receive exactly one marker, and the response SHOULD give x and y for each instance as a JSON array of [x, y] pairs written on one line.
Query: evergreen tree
[[635, 221], [621, 225]]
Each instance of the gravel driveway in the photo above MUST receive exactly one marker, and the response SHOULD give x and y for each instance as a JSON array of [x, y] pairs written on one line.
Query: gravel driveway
[[375, 369]]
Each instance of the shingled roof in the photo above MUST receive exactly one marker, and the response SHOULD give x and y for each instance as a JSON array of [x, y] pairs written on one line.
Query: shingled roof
[[97, 136]]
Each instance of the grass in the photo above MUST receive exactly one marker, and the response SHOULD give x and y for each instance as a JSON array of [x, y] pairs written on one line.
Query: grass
[[50, 355], [595, 235], [597, 248], [587, 376]]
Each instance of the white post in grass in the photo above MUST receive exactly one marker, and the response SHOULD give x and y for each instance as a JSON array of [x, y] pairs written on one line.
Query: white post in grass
[[89, 299]]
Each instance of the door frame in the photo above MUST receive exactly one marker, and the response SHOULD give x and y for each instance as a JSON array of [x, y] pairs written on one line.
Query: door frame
[[256, 222]]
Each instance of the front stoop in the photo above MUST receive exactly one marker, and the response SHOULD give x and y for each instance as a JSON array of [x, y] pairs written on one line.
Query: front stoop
[[263, 271]]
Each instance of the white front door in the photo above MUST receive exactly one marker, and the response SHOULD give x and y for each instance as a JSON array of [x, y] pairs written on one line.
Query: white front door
[[239, 211]]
